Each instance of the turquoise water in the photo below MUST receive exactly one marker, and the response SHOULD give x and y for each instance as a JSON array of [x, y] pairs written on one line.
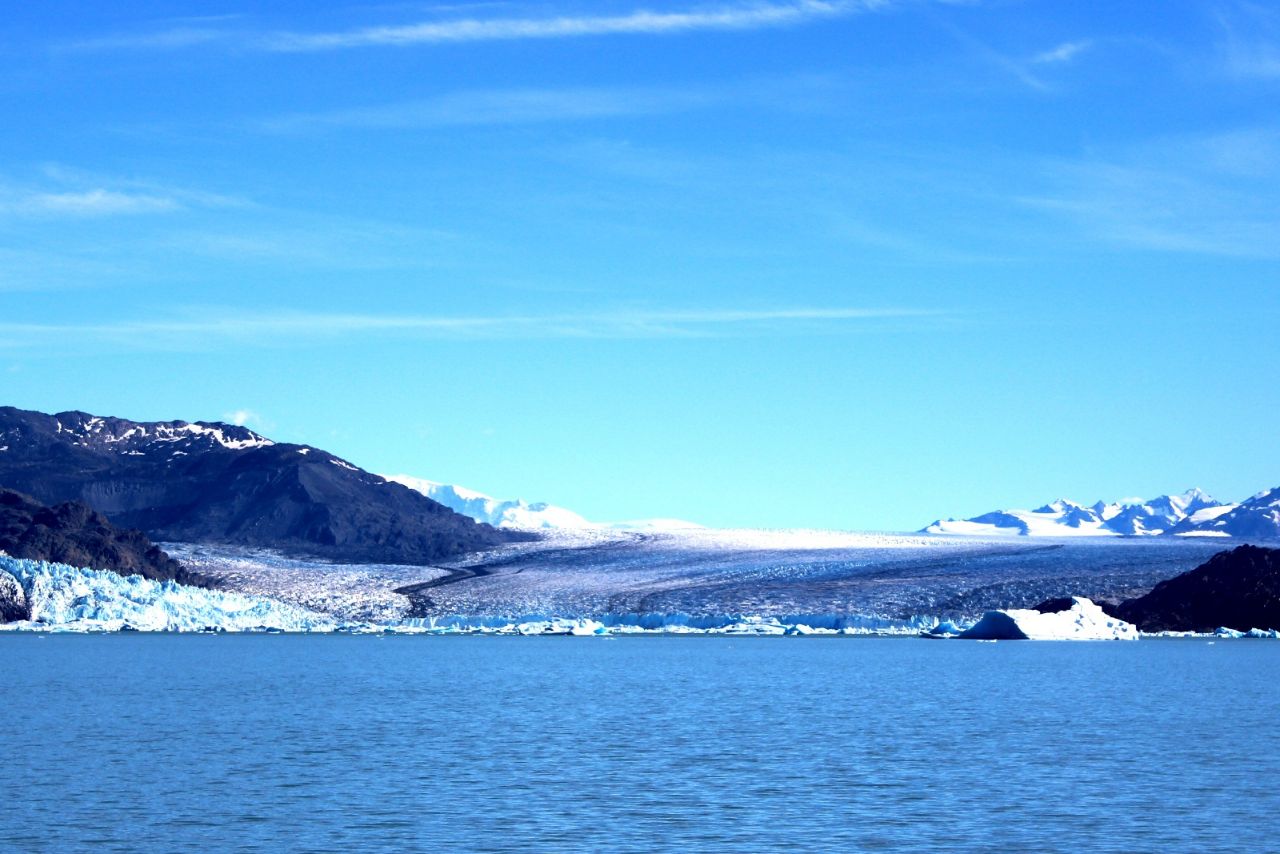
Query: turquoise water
[[134, 742]]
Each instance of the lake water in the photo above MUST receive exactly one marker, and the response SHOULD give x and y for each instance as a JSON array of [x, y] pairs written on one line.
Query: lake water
[[170, 742]]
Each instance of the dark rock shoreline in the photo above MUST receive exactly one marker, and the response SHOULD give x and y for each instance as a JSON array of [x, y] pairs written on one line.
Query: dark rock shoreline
[[1237, 589]]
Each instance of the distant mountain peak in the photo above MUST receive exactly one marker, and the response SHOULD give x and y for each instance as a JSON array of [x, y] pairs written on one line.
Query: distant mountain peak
[[1058, 505], [1190, 513]]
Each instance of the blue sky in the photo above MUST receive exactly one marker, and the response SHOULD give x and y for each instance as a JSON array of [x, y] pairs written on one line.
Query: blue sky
[[829, 264]]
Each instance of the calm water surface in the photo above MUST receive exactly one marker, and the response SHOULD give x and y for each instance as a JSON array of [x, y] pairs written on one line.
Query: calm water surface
[[128, 742]]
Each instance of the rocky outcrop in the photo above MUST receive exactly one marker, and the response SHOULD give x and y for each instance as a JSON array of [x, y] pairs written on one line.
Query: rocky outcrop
[[74, 534], [1237, 589], [13, 601]]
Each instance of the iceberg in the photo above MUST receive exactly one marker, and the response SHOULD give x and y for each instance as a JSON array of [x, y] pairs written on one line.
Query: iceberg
[[1225, 632], [1084, 620], [944, 629]]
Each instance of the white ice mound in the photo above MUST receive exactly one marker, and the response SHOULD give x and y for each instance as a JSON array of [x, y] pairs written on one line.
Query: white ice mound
[[64, 598], [513, 513], [1082, 621]]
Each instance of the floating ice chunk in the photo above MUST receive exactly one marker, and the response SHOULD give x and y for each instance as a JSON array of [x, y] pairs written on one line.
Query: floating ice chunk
[[1082, 621], [944, 629]]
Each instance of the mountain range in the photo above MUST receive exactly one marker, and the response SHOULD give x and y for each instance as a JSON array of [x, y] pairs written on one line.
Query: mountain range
[[1193, 513], [212, 482], [220, 483]]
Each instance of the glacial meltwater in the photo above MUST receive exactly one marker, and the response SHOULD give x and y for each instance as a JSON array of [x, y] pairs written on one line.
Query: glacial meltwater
[[283, 742]]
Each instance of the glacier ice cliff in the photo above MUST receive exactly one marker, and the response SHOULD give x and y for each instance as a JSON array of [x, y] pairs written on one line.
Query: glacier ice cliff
[[65, 598]]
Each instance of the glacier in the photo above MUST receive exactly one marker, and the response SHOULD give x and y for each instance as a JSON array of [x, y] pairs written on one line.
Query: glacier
[[603, 582], [65, 598]]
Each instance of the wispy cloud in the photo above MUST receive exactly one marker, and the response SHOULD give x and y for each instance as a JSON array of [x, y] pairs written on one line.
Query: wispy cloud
[[1213, 195], [84, 203], [1016, 68], [513, 106], [473, 107], [61, 192], [174, 38], [248, 418], [33, 268], [740, 17], [241, 417], [168, 34], [213, 328], [1064, 52], [1250, 42]]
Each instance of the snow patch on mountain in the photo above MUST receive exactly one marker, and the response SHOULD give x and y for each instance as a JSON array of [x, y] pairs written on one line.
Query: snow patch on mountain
[[129, 436]]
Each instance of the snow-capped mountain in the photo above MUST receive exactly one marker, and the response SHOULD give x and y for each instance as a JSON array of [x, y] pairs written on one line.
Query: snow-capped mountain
[[517, 514], [1255, 519], [120, 436], [1194, 512], [509, 513]]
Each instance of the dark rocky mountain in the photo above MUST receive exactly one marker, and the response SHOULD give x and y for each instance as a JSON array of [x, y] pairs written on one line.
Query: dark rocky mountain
[[74, 533], [1238, 589], [219, 483]]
